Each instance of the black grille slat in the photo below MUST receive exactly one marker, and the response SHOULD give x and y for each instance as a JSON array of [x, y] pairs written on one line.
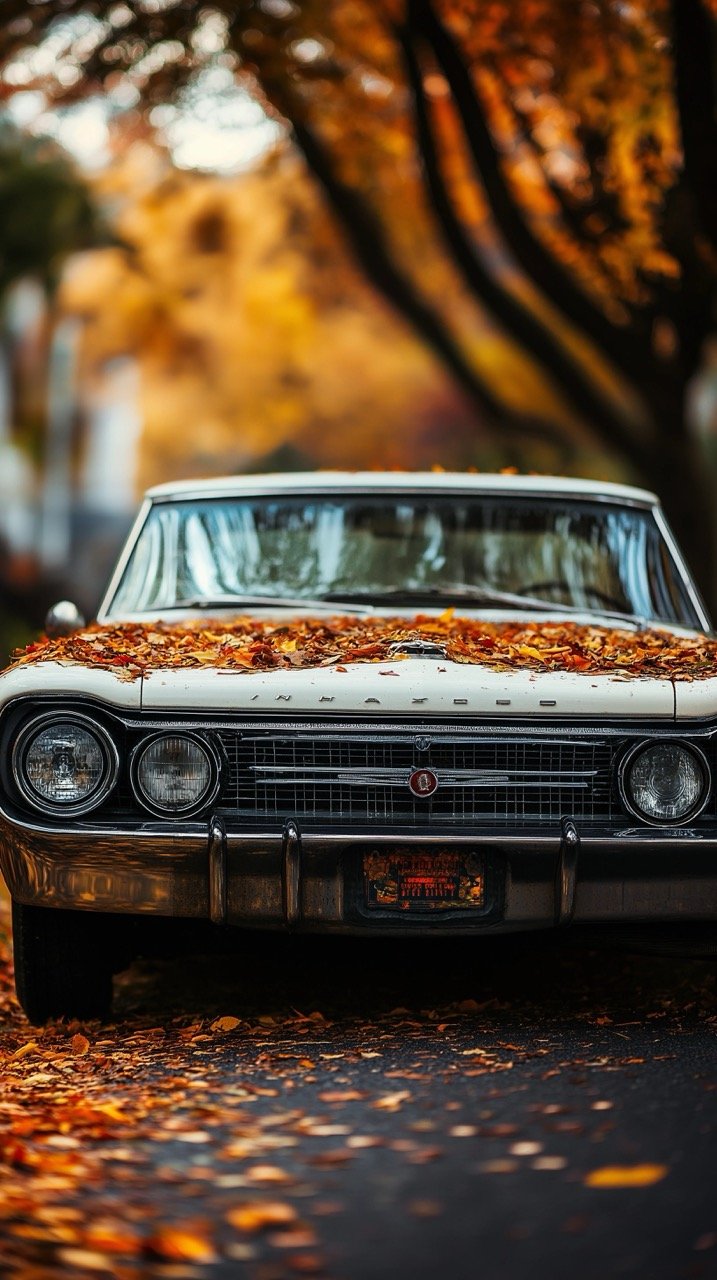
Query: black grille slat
[[256, 787]]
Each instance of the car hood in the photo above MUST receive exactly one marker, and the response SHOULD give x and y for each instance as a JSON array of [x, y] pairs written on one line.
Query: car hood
[[411, 686], [69, 679]]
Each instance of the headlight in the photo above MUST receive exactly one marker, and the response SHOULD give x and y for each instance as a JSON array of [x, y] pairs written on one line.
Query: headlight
[[175, 774], [665, 782], [65, 764]]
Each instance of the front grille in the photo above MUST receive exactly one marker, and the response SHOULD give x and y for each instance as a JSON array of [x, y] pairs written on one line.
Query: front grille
[[358, 779]]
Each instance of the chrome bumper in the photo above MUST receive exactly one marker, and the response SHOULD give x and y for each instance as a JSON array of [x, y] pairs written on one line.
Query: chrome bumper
[[311, 880]]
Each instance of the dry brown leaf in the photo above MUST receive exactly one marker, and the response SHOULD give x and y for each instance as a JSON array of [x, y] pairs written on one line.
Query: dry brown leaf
[[226, 1023], [180, 1245], [24, 1050], [252, 1218], [342, 1095], [268, 1173], [391, 1101], [250, 644], [331, 1159]]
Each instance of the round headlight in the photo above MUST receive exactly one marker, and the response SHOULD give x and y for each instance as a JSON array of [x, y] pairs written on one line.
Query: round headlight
[[65, 764], [175, 774], [665, 782]]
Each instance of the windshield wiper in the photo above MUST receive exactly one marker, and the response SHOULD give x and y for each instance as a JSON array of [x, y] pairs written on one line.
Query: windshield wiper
[[251, 601], [461, 593], [364, 602]]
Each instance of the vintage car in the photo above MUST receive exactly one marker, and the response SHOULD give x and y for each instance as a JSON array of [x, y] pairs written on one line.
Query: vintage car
[[374, 703]]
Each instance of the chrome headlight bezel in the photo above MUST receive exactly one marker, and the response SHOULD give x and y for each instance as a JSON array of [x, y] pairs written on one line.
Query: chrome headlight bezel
[[209, 796], [628, 759], [107, 746]]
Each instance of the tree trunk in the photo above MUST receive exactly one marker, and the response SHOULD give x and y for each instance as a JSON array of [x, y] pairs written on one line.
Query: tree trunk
[[678, 474]]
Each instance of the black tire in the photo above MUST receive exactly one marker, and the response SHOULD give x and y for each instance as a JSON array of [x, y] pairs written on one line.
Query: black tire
[[63, 963]]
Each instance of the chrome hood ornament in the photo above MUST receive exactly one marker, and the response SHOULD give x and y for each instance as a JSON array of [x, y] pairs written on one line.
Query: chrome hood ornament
[[419, 649]]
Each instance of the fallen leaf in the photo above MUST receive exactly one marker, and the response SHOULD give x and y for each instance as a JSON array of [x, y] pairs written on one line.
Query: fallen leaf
[[181, 1245], [226, 1023], [23, 1051], [391, 1101], [84, 1260], [342, 1095], [252, 1218], [269, 1173], [626, 1175], [329, 1159]]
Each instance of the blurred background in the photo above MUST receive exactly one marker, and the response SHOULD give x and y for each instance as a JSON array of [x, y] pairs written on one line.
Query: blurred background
[[359, 233]]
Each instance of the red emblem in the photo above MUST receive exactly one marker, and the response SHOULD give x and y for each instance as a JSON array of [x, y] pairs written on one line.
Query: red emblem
[[422, 783]]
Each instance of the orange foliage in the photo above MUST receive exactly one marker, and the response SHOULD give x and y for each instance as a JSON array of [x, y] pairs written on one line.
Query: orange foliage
[[248, 644]]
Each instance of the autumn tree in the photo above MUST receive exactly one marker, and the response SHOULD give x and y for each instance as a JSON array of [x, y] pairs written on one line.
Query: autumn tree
[[46, 211], [555, 162], [312, 369]]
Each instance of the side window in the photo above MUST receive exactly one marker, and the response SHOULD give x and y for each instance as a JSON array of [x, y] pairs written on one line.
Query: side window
[[668, 589]]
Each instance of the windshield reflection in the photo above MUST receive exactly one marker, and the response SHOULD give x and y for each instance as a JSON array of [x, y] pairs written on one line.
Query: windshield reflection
[[579, 554]]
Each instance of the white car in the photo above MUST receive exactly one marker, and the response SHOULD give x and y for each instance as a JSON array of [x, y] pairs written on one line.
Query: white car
[[500, 733]]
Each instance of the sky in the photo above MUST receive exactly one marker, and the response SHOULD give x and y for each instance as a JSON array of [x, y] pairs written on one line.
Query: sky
[[217, 126], [221, 132]]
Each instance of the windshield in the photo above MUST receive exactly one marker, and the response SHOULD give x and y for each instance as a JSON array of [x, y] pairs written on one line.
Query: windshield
[[392, 546]]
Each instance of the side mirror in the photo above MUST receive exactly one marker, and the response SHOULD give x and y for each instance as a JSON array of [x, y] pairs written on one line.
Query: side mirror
[[62, 619]]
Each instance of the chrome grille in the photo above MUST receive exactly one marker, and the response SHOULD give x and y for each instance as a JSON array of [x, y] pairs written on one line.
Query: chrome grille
[[354, 778]]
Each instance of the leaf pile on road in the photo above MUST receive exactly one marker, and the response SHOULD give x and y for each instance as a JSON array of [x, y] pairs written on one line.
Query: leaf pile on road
[[250, 644], [173, 1141]]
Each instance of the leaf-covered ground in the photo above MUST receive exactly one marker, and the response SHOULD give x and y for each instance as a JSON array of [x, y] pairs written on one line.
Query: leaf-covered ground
[[249, 644], [346, 1108]]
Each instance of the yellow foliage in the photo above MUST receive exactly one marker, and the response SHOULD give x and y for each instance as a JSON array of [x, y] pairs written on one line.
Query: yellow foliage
[[253, 330]]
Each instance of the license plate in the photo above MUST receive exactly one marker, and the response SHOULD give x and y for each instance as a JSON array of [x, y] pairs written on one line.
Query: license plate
[[424, 881]]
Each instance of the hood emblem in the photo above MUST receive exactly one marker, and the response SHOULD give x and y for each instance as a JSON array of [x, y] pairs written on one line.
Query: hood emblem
[[417, 648], [422, 783]]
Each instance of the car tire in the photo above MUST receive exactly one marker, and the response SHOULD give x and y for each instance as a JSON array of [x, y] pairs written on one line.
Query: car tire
[[63, 963]]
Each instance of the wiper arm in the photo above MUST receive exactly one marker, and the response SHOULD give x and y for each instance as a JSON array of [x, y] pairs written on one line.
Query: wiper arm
[[249, 601], [446, 591], [462, 592], [487, 595], [490, 595]]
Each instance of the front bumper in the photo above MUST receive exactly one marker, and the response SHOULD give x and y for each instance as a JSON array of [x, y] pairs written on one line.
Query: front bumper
[[311, 880]]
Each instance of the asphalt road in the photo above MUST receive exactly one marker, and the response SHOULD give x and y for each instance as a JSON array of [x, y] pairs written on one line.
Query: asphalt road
[[406, 1110]]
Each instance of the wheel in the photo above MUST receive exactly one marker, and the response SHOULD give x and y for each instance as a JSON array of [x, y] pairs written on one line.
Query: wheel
[[63, 963]]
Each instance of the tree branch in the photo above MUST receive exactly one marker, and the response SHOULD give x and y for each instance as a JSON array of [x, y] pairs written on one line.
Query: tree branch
[[512, 314], [367, 240], [621, 344], [695, 55]]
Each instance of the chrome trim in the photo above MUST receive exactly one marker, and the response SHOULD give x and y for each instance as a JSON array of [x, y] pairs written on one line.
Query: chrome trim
[[217, 859], [566, 880], [291, 874], [158, 870], [103, 612], [279, 775], [681, 566], [367, 490], [107, 746], [466, 733], [192, 810], [665, 823], [557, 730]]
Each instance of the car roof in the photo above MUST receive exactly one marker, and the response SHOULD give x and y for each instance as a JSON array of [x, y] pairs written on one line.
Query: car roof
[[436, 481]]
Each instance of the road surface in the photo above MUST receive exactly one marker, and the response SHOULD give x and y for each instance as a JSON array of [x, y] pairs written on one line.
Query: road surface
[[362, 1110]]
